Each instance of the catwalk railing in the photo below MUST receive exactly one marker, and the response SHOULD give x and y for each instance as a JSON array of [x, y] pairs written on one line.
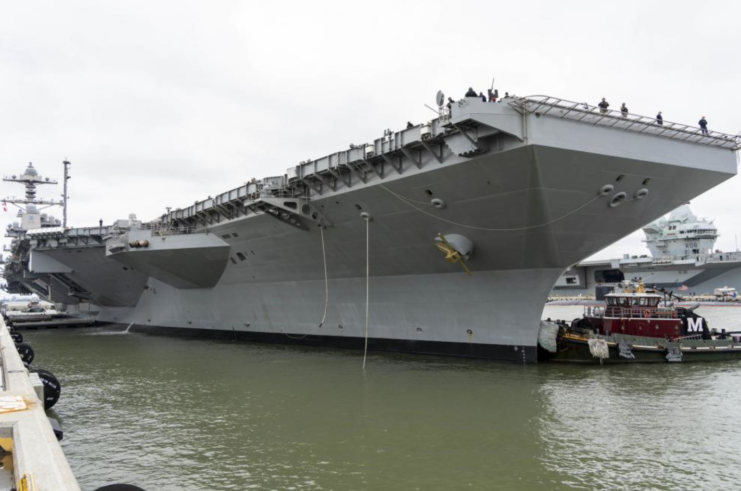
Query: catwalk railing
[[584, 113]]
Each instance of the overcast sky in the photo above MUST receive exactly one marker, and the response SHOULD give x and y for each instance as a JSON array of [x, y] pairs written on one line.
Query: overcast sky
[[161, 103]]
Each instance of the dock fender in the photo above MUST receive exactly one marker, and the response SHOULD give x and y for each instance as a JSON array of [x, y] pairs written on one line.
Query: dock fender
[[52, 386], [26, 352]]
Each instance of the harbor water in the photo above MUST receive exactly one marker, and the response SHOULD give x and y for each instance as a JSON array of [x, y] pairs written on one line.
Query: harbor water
[[182, 414]]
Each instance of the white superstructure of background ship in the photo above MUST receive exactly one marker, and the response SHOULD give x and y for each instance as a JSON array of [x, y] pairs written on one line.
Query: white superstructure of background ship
[[682, 257]]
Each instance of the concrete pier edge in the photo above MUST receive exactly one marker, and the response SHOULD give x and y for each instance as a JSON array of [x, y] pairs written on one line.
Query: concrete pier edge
[[38, 460]]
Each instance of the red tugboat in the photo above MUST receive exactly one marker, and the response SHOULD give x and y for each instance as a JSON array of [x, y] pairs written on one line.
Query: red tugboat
[[637, 324]]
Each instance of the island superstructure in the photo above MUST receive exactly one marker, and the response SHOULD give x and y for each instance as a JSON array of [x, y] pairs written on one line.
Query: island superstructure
[[29, 217], [515, 192]]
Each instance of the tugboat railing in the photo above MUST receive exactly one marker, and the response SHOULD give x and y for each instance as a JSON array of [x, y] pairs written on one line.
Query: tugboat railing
[[542, 105], [633, 312]]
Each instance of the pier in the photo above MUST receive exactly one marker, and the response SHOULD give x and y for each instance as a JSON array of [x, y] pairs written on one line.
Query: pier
[[32, 459]]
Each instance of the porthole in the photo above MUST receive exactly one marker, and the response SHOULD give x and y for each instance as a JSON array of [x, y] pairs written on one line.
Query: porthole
[[606, 189], [618, 199], [641, 193]]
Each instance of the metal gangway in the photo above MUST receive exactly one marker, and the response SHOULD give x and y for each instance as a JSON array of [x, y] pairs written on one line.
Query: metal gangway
[[543, 105]]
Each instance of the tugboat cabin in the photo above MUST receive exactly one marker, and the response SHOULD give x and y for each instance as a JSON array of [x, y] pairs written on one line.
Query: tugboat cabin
[[636, 311]]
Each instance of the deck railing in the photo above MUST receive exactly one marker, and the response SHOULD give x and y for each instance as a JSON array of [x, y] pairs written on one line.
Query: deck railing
[[158, 228], [585, 113]]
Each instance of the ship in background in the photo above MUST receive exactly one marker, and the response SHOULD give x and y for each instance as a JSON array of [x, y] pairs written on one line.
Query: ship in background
[[442, 238], [29, 217], [682, 258]]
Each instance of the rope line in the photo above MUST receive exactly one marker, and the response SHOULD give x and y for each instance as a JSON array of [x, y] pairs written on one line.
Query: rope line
[[294, 337], [326, 279], [427, 203], [518, 229], [326, 288], [367, 286]]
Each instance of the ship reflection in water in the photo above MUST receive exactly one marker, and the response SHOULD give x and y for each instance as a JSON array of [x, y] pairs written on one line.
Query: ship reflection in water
[[193, 414]]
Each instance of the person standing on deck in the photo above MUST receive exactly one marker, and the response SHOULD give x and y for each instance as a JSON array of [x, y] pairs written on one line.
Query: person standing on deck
[[603, 106], [703, 125], [624, 110], [471, 93], [659, 119]]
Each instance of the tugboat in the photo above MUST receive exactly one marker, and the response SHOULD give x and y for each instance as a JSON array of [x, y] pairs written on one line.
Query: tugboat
[[637, 325]]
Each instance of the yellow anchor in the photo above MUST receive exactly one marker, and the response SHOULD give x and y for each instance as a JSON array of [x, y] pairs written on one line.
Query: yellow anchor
[[451, 255]]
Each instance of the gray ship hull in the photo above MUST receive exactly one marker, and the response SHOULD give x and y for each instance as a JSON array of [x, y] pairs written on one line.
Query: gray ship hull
[[432, 314], [530, 204]]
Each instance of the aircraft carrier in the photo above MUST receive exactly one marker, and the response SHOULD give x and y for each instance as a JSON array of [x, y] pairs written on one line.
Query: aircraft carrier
[[442, 238], [682, 256]]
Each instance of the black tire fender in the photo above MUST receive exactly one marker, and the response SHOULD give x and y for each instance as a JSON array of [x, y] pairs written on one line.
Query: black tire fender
[[52, 386], [26, 352]]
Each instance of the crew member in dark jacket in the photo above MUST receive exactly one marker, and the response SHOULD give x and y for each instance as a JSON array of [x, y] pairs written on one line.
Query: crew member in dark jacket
[[471, 93], [603, 106], [483, 97], [703, 125], [659, 119], [624, 110], [450, 106]]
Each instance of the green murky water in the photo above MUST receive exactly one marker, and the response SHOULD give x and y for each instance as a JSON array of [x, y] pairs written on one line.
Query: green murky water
[[173, 414]]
